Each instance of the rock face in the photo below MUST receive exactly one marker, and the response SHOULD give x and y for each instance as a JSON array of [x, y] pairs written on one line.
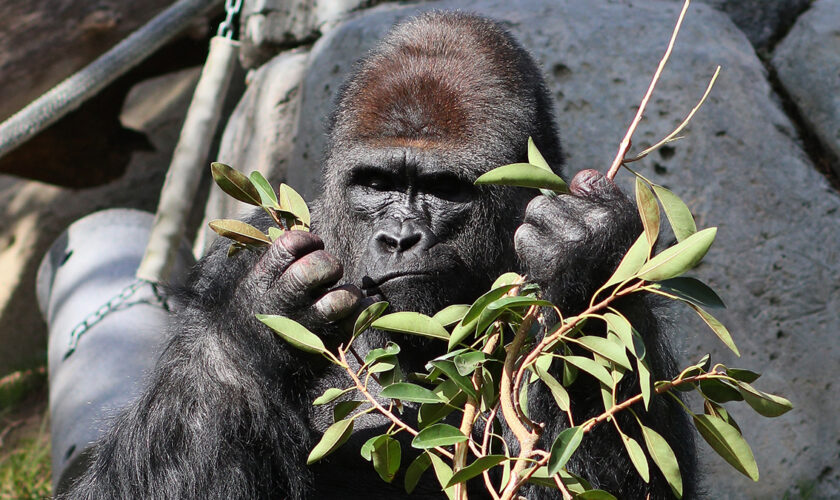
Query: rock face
[[808, 64], [741, 168], [268, 25], [763, 21]]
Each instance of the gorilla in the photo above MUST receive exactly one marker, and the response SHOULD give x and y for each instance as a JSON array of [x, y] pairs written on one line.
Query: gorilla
[[443, 98]]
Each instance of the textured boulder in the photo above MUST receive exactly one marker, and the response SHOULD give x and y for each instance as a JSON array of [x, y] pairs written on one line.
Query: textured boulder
[[763, 21], [741, 168], [269, 25], [808, 64]]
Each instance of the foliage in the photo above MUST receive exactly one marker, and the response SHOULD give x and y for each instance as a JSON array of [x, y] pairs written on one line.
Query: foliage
[[493, 356]]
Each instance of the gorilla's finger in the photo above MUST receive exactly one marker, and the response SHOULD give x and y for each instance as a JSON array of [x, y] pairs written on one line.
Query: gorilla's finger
[[589, 183], [312, 271], [339, 302], [288, 247]]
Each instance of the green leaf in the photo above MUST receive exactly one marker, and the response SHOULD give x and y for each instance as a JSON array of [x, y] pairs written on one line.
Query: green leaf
[[558, 392], [274, 233], [386, 455], [390, 349], [410, 392], [437, 435], [679, 258], [267, 194], [240, 231], [637, 456], [509, 278], [505, 303], [523, 400], [664, 458], [333, 437], [728, 443], [678, 214], [592, 368], [575, 484], [768, 405], [367, 449], [717, 327], [648, 210], [524, 175], [716, 410], [720, 391], [644, 381], [475, 468], [329, 396], [690, 290], [595, 495], [290, 201], [235, 184], [535, 158], [468, 323], [294, 333], [613, 351], [343, 409], [619, 326], [467, 362], [563, 448], [412, 323], [452, 314], [415, 471], [463, 383], [443, 474], [633, 260], [368, 316], [743, 375]]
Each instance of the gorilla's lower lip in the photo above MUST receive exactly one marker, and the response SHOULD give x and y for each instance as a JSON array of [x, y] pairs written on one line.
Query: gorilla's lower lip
[[369, 282]]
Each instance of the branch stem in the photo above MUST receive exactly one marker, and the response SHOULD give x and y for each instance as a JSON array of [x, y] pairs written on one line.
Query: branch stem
[[624, 146]]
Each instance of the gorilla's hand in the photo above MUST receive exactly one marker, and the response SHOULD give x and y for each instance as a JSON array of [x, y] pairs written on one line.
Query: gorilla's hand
[[570, 244], [293, 278]]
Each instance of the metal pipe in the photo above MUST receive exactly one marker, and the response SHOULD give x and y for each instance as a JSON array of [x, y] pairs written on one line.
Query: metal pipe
[[91, 300]]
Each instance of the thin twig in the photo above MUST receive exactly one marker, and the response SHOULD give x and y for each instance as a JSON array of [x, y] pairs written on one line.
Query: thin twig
[[625, 143], [381, 409], [673, 135], [468, 419], [527, 438]]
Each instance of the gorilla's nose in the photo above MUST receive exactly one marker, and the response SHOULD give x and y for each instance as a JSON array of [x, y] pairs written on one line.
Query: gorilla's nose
[[401, 237]]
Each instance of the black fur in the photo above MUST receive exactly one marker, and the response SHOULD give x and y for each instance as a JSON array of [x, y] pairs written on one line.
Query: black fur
[[444, 98]]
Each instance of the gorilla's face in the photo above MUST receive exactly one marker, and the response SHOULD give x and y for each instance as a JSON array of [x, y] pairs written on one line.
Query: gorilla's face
[[423, 235]]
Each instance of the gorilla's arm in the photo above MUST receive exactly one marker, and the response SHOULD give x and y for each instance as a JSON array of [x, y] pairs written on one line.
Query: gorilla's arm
[[570, 245], [224, 414]]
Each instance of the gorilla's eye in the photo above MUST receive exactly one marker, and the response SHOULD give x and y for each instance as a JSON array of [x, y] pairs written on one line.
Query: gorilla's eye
[[373, 179], [448, 187]]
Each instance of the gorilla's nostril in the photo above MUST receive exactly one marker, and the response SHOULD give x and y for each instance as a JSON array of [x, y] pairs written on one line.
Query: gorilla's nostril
[[395, 243], [408, 241]]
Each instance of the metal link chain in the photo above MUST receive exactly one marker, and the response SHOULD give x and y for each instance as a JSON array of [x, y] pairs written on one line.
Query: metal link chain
[[118, 301], [233, 8]]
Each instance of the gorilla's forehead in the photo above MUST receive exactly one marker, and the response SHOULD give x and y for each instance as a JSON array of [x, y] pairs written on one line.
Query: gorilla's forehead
[[414, 157]]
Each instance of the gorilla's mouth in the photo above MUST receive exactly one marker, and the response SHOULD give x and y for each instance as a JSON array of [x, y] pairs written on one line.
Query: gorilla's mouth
[[372, 284]]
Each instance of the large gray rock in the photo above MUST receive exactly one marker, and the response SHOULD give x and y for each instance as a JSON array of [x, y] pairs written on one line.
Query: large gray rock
[[763, 21], [269, 25], [808, 64], [741, 168]]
